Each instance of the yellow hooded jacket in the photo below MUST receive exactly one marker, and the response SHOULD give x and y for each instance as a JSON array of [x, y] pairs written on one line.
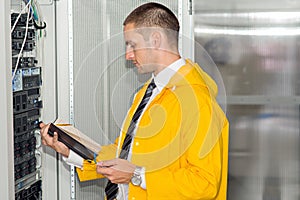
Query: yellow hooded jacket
[[182, 141]]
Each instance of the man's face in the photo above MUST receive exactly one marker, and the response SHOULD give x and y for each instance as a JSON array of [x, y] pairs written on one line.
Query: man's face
[[138, 50]]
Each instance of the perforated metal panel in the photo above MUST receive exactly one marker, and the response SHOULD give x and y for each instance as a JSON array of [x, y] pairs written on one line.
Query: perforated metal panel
[[104, 82]]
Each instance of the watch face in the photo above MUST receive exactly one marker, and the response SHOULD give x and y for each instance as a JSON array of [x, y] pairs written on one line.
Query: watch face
[[136, 180]]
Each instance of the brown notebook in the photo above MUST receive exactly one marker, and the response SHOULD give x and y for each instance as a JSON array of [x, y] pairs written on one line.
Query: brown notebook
[[75, 140]]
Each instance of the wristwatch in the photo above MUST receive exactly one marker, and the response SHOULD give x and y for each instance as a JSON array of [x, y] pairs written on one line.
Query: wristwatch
[[136, 178]]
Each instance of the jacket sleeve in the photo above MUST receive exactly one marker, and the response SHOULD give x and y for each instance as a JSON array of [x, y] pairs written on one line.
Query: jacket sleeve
[[195, 176], [88, 171]]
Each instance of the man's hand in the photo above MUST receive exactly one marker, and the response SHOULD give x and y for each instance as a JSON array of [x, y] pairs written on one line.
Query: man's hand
[[53, 141], [116, 170]]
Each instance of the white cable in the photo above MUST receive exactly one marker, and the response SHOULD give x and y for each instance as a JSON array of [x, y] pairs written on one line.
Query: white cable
[[23, 44], [15, 24]]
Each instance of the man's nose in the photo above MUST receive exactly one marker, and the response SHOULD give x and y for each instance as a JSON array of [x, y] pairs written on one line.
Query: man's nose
[[129, 55]]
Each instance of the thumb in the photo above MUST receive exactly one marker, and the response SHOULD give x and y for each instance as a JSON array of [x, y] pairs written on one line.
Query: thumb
[[107, 163], [41, 124]]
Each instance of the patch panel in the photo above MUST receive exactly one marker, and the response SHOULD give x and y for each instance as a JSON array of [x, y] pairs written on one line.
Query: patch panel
[[26, 100], [27, 78], [24, 62]]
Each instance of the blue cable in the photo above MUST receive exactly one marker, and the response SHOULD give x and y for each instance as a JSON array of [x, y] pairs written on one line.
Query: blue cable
[[95, 156]]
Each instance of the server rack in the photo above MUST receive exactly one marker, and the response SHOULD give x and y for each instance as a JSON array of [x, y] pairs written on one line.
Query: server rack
[[26, 32]]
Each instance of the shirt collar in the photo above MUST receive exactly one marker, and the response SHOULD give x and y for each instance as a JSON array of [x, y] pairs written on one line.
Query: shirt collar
[[163, 77]]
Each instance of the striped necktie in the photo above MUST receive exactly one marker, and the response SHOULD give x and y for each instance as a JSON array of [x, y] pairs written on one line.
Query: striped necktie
[[111, 189]]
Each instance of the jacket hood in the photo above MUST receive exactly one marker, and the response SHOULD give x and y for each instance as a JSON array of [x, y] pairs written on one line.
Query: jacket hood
[[192, 74]]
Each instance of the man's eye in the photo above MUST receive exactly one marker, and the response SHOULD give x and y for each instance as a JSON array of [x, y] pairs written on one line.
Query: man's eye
[[130, 45]]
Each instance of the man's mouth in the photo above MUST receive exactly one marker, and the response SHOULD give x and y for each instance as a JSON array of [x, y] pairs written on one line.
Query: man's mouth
[[136, 64]]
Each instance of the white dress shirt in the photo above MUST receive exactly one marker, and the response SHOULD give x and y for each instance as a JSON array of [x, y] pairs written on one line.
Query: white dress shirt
[[161, 80]]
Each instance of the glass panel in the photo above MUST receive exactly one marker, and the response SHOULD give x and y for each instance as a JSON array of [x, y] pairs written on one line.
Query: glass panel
[[255, 47], [264, 152], [255, 56], [233, 5]]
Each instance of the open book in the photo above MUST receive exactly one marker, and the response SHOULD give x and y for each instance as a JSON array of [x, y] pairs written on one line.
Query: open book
[[75, 140]]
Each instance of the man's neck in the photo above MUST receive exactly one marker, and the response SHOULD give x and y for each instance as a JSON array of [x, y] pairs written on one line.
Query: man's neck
[[166, 60]]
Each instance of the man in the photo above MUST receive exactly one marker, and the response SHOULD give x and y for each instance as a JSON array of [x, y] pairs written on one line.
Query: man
[[174, 140]]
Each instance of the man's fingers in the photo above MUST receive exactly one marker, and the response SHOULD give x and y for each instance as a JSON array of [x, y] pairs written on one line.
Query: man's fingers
[[44, 142], [103, 170], [55, 137], [107, 163], [44, 131], [41, 124]]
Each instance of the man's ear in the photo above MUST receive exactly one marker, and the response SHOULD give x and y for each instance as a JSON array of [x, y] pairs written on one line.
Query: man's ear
[[155, 39]]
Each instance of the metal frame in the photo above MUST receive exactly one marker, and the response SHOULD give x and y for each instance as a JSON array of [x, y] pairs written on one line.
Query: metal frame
[[186, 32], [71, 89]]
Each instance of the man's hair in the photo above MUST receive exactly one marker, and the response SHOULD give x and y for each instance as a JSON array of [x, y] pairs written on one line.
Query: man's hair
[[154, 15]]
